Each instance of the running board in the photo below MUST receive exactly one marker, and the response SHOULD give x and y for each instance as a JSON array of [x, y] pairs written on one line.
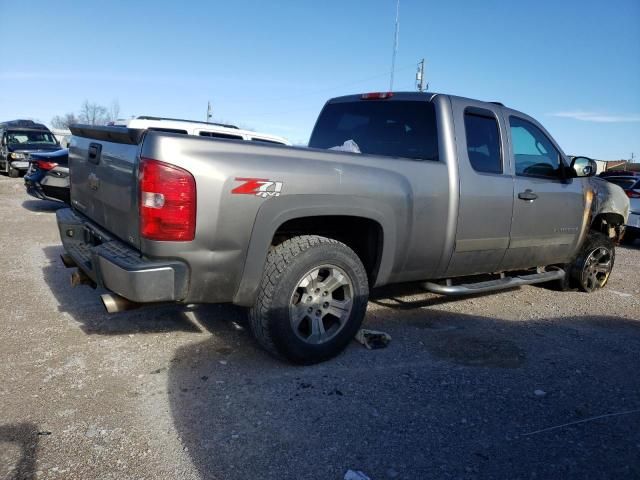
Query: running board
[[493, 285]]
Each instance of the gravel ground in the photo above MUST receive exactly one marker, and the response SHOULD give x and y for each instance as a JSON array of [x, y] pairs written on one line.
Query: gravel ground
[[481, 387]]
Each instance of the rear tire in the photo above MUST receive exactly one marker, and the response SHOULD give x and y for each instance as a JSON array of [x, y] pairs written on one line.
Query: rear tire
[[591, 269], [312, 299]]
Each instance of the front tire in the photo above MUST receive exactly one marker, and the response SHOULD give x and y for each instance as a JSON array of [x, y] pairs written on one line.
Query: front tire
[[312, 299], [14, 172], [591, 269]]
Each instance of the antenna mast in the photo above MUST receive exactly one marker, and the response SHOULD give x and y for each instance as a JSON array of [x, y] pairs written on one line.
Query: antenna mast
[[420, 76], [395, 45]]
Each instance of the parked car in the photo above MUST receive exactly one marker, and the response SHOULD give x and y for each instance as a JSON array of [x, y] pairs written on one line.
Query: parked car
[[48, 176], [202, 129], [19, 139], [631, 186], [444, 188], [618, 173]]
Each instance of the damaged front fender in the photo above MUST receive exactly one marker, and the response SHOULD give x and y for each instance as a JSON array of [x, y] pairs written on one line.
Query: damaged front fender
[[610, 207]]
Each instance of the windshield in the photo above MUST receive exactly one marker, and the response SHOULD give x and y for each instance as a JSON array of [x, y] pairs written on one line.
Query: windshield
[[391, 128], [19, 137]]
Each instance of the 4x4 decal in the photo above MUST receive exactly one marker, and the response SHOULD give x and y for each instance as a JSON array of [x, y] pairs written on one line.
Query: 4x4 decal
[[260, 187]]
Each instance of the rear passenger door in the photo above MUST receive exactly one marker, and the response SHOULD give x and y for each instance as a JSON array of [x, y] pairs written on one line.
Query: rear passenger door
[[486, 188], [548, 208]]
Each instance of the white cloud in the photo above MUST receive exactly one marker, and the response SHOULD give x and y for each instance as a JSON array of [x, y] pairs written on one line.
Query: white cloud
[[599, 117]]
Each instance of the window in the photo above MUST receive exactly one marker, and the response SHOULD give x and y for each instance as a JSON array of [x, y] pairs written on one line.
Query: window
[[221, 135], [168, 130], [264, 140], [483, 141], [25, 137], [534, 153], [393, 128]]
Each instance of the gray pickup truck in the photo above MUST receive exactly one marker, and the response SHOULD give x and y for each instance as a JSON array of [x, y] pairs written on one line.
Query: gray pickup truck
[[422, 187]]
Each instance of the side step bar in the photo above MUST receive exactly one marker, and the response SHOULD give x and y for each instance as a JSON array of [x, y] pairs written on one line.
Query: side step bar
[[493, 285]]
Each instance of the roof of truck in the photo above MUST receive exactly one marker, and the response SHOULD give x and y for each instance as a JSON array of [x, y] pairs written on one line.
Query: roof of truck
[[23, 125], [193, 127], [428, 96], [148, 117]]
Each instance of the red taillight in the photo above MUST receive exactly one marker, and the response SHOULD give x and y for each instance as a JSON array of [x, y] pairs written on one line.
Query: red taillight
[[632, 193], [44, 165], [376, 95], [167, 202]]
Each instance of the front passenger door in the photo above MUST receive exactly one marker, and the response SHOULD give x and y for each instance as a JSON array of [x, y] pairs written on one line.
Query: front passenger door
[[548, 209]]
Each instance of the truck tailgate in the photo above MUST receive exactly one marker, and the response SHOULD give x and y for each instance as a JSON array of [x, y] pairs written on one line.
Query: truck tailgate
[[103, 168]]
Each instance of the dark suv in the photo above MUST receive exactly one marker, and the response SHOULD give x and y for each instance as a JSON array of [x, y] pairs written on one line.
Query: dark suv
[[20, 138]]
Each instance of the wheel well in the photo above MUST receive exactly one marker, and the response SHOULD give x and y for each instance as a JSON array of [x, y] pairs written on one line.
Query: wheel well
[[608, 223], [363, 235]]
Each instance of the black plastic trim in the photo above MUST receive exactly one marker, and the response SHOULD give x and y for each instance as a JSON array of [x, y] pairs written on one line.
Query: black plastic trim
[[129, 136]]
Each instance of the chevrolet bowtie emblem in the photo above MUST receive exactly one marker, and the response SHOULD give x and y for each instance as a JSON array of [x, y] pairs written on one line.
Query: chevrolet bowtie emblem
[[94, 181]]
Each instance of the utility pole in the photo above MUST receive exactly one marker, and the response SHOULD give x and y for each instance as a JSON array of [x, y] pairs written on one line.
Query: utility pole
[[395, 45], [420, 77], [209, 114], [633, 156]]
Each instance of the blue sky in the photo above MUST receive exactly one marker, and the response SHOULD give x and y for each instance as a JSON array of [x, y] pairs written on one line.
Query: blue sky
[[270, 66]]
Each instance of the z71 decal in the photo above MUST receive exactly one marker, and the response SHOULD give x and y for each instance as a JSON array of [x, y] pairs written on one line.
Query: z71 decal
[[260, 187]]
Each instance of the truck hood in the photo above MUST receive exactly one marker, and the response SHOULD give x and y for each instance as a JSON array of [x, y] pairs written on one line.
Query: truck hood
[[32, 148], [609, 198]]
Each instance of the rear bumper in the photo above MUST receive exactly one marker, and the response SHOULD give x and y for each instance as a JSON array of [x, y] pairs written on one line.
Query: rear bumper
[[116, 266]]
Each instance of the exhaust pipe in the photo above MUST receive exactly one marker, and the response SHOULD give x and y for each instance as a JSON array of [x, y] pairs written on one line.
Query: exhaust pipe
[[80, 278], [115, 303], [67, 261]]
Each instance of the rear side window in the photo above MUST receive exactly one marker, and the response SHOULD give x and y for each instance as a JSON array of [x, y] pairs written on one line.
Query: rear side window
[[221, 135], [391, 128], [264, 140], [168, 130], [483, 141]]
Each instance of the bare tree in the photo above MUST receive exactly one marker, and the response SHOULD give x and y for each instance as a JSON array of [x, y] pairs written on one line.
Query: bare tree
[[114, 110], [93, 114], [63, 121]]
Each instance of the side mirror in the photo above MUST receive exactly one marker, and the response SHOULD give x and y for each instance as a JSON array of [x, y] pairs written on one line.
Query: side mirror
[[584, 166]]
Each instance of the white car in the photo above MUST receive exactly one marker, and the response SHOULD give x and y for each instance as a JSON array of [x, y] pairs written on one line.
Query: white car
[[631, 186], [202, 129]]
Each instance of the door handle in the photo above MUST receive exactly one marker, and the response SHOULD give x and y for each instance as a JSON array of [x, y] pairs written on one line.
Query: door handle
[[527, 195]]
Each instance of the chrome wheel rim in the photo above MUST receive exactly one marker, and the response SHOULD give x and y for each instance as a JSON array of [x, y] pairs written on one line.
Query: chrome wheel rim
[[597, 268], [321, 304]]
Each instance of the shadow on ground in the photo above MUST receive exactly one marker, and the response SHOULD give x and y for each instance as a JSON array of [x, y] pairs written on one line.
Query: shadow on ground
[[84, 306], [43, 205], [453, 396], [18, 450]]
